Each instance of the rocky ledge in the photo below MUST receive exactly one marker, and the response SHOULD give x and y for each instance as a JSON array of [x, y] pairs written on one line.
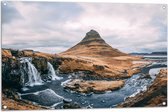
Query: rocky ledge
[[10, 104], [11, 101], [11, 65], [155, 96], [12, 80], [83, 86]]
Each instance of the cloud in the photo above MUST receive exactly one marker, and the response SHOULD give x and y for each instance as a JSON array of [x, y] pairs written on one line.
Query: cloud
[[9, 13], [43, 26], [125, 25]]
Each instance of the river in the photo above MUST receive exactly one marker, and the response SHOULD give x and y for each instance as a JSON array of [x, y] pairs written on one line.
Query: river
[[52, 94]]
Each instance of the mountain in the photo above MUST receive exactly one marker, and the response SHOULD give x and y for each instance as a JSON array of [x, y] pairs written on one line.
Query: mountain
[[93, 54], [93, 45], [153, 53], [139, 53], [159, 53]]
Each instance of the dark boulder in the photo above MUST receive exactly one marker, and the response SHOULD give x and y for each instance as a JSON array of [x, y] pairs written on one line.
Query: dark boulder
[[11, 72], [40, 64], [15, 53], [145, 76], [71, 105]]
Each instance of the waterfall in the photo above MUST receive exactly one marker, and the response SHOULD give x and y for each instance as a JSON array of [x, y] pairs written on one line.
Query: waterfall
[[29, 72], [52, 73]]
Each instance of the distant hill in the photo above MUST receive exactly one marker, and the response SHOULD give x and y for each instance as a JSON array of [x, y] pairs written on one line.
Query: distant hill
[[93, 45], [153, 53], [159, 53]]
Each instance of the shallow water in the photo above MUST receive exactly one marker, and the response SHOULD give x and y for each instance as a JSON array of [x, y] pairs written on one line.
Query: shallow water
[[52, 93]]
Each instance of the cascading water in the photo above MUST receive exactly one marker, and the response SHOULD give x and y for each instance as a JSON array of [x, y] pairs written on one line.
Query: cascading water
[[52, 73], [30, 75]]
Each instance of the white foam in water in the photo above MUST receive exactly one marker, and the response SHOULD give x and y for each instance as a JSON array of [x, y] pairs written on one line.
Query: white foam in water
[[33, 75], [52, 92], [25, 89], [152, 73], [52, 107], [143, 88], [108, 91], [47, 97], [155, 71], [35, 93], [134, 94], [52, 72], [43, 91], [69, 76], [63, 83]]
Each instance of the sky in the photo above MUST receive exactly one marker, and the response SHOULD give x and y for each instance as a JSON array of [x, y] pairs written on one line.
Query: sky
[[54, 27]]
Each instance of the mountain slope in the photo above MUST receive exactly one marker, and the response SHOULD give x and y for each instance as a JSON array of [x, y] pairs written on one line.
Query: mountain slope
[[93, 45], [95, 55]]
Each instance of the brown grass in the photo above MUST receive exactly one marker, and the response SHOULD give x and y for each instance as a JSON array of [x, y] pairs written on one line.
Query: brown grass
[[94, 86]]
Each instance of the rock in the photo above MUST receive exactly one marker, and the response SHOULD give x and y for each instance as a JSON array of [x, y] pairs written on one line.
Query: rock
[[92, 35], [41, 66], [6, 53], [163, 72], [89, 107], [130, 72], [27, 53], [145, 76], [11, 72], [15, 53], [71, 106], [56, 62], [103, 101], [67, 100], [11, 66], [155, 95], [12, 76], [18, 104], [11, 101], [11, 93], [94, 86]]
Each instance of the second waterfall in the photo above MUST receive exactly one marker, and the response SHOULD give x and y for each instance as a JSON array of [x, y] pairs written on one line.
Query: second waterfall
[[52, 73]]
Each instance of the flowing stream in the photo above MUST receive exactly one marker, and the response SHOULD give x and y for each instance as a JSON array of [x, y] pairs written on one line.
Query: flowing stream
[[52, 94]]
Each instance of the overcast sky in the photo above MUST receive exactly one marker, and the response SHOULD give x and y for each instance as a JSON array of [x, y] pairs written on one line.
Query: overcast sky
[[54, 27]]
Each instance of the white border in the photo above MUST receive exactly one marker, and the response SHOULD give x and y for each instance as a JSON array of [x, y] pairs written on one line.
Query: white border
[[155, 109], [109, 1]]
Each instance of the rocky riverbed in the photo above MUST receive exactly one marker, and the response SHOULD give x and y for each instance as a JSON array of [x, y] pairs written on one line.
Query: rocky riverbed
[[154, 96]]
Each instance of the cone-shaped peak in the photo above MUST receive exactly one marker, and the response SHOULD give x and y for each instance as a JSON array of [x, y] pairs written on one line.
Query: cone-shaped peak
[[91, 35], [93, 45], [92, 32]]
